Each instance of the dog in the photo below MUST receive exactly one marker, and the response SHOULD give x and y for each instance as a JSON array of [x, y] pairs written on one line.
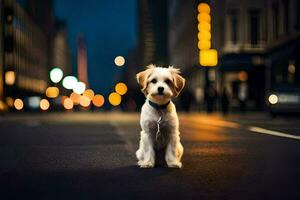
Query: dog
[[159, 120]]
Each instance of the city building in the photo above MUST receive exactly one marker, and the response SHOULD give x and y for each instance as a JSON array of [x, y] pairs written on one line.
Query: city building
[[82, 59], [257, 44], [25, 53], [60, 50], [153, 26]]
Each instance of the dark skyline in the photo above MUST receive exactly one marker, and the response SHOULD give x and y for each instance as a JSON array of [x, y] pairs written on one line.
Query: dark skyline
[[109, 28]]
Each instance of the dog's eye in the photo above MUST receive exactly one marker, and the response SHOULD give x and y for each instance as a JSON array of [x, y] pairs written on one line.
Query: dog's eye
[[167, 81], [153, 80]]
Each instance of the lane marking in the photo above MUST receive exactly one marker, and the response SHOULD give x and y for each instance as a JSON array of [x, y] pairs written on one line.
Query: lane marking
[[274, 133], [234, 125]]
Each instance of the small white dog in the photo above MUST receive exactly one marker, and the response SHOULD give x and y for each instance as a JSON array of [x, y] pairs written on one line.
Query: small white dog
[[159, 120]]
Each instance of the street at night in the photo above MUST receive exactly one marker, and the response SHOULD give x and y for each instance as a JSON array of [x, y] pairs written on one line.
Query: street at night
[[92, 156]]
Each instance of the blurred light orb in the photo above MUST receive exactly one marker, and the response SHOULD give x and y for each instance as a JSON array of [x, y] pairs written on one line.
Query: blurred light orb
[[204, 44], [89, 93], [203, 8], [69, 82], [10, 77], [34, 102], [114, 99], [273, 99], [204, 17], [79, 87], [98, 100], [204, 26], [56, 74], [75, 98], [9, 101], [19, 104], [243, 76], [68, 104], [121, 88], [44, 104], [84, 101], [292, 68], [52, 92], [119, 61]]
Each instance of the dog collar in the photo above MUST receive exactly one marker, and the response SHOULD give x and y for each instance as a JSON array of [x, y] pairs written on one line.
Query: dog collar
[[158, 106]]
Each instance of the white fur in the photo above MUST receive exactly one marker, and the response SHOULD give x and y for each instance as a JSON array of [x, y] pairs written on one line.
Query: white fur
[[169, 140]]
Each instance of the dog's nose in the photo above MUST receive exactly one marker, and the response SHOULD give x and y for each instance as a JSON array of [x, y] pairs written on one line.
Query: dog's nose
[[160, 90]]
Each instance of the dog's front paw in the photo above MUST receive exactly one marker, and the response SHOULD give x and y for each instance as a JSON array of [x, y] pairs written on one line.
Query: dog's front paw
[[145, 164], [175, 165]]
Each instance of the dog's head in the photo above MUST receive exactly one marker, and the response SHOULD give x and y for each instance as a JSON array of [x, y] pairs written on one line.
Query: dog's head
[[160, 84]]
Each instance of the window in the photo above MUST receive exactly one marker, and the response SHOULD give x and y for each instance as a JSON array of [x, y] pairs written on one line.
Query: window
[[275, 16], [233, 17], [297, 14], [254, 27], [286, 4]]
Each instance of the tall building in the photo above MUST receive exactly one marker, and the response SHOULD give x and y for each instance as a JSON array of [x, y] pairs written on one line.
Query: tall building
[[25, 53], [82, 59], [153, 26], [60, 50]]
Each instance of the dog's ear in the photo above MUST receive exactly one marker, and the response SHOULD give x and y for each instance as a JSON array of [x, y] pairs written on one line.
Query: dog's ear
[[142, 78], [178, 80]]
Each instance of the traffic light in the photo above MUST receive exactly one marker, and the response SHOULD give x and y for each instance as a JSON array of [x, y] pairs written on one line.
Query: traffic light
[[207, 56]]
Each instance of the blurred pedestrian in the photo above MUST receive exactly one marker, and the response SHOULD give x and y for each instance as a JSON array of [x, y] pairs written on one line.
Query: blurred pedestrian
[[210, 98], [243, 95], [225, 101]]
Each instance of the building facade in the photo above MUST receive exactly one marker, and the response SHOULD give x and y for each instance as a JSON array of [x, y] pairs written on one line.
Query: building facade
[[256, 43]]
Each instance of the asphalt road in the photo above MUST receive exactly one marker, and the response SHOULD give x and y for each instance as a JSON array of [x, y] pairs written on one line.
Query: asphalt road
[[91, 156]]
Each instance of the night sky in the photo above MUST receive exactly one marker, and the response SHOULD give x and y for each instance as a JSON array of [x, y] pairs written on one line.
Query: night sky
[[109, 28]]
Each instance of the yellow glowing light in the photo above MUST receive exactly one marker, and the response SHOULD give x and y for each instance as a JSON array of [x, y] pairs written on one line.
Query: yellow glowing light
[[204, 44], [19, 104], [204, 35], [63, 98], [75, 98], [204, 26], [119, 61], [204, 17], [243, 76], [10, 77], [208, 57], [121, 88], [9, 101], [98, 100], [44, 104], [52, 92], [203, 8], [273, 99], [84, 101], [68, 104], [89, 93], [114, 99]]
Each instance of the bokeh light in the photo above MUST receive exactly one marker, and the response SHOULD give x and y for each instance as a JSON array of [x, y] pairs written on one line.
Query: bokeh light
[[68, 104], [203, 7], [119, 61], [9, 101], [121, 88], [98, 100], [10, 77], [243, 76], [89, 93], [84, 101], [44, 104], [52, 92], [79, 87], [114, 99], [19, 104], [69, 82], [75, 98], [56, 75], [273, 99]]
